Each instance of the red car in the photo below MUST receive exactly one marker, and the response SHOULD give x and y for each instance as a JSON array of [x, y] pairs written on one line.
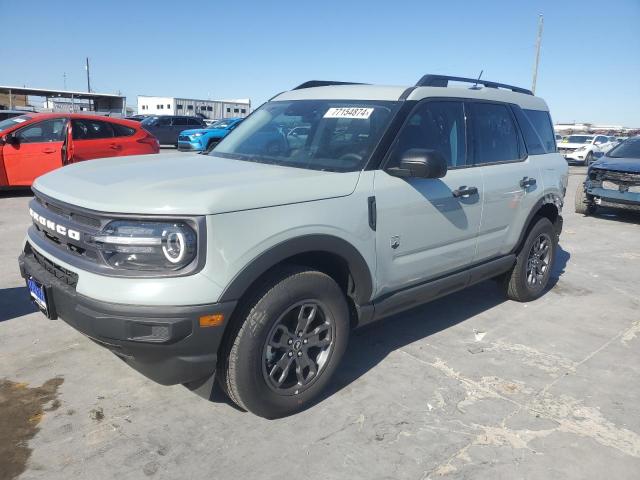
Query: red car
[[36, 143]]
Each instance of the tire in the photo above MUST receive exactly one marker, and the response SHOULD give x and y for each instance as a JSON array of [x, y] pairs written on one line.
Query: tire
[[584, 204], [588, 160], [211, 145], [265, 366], [518, 284]]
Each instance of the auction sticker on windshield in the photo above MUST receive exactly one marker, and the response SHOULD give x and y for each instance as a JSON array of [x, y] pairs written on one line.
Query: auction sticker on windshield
[[349, 112]]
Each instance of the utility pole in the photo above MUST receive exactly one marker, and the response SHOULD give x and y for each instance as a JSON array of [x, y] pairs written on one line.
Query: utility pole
[[88, 77], [537, 62]]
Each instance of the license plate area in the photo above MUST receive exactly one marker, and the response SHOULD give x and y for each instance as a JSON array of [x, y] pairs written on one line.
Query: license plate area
[[41, 296]]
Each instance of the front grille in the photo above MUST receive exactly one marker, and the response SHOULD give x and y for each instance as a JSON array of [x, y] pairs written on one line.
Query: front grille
[[68, 213], [565, 150], [68, 217], [183, 138], [54, 269], [624, 179]]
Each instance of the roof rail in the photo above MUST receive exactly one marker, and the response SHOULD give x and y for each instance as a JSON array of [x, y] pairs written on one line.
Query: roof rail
[[323, 83], [443, 81]]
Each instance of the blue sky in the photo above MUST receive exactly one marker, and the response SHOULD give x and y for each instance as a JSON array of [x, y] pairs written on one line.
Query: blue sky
[[589, 70]]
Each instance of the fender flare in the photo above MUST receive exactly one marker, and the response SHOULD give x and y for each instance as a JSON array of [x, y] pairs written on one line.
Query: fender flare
[[548, 199], [357, 265]]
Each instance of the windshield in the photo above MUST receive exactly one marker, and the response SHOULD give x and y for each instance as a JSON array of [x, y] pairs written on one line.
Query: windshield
[[628, 149], [578, 139], [224, 124], [150, 121], [10, 122], [336, 135]]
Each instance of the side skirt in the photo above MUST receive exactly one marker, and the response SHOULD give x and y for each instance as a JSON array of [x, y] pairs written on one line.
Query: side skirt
[[416, 295]]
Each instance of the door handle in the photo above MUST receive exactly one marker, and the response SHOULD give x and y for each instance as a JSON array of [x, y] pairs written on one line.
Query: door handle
[[527, 182], [115, 146], [49, 150], [465, 191]]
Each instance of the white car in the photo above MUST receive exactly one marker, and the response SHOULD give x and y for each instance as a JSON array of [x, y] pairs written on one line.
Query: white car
[[584, 149]]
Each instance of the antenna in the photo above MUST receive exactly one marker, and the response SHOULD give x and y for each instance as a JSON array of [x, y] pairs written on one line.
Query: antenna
[[88, 77], [538, 43], [475, 86]]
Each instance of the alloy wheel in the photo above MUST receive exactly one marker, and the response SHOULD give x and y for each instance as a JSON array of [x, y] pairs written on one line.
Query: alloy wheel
[[298, 347]]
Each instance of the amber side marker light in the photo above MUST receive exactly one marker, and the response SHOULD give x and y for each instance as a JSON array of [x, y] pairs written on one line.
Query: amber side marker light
[[212, 320]]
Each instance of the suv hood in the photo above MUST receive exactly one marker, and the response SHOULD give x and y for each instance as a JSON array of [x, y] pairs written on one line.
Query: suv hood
[[627, 165], [188, 184]]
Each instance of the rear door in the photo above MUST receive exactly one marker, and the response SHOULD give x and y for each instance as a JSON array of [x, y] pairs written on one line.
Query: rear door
[[178, 124], [93, 139], [428, 227], [38, 150], [124, 137], [510, 177]]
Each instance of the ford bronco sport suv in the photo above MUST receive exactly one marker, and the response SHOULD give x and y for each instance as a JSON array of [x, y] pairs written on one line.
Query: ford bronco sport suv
[[252, 264]]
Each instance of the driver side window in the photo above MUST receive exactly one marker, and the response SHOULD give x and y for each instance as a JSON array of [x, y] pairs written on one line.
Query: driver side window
[[43, 132], [439, 126]]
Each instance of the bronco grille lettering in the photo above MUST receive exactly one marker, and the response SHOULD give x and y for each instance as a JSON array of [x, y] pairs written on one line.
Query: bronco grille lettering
[[51, 225]]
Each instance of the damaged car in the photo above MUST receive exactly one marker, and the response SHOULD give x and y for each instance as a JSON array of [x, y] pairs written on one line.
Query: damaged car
[[612, 181]]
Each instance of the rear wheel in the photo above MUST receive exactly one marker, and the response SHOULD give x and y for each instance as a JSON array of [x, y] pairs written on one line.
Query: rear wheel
[[530, 275], [584, 203], [288, 341]]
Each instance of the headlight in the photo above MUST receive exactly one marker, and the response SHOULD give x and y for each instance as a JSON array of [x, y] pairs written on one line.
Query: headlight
[[581, 149], [198, 134], [147, 245]]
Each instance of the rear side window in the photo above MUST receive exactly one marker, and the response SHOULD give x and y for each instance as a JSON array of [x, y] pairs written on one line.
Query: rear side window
[[180, 121], [194, 121], [494, 133], [122, 130], [541, 121], [436, 126], [531, 138], [84, 129]]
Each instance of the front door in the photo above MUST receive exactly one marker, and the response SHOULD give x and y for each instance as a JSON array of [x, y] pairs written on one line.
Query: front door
[[427, 228], [36, 151]]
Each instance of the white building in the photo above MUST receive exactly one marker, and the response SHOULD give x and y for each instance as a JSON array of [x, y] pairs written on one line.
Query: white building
[[212, 109]]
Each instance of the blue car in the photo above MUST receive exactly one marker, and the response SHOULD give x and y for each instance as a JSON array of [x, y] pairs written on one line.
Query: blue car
[[205, 139]]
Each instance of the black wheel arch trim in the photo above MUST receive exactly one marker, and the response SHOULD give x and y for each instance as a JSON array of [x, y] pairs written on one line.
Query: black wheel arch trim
[[357, 265], [548, 199]]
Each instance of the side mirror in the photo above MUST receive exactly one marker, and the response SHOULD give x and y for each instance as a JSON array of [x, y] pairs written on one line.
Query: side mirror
[[9, 139], [421, 163]]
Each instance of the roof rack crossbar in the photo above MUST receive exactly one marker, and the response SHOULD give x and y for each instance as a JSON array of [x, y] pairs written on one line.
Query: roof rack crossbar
[[323, 83], [443, 81]]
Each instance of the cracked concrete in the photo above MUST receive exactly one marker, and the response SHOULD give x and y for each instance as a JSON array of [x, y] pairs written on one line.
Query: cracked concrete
[[470, 386]]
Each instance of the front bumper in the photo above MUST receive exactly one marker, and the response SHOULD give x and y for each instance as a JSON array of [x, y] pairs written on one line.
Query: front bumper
[[190, 146], [164, 343], [615, 198]]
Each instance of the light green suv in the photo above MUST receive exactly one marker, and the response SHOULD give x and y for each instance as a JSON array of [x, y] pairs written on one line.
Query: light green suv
[[331, 206]]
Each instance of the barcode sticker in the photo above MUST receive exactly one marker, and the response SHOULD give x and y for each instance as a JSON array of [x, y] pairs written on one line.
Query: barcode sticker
[[349, 112]]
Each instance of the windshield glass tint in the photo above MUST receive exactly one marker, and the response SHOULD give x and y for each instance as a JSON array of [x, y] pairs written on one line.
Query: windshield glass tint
[[150, 121], [627, 149], [336, 135], [578, 139], [10, 122]]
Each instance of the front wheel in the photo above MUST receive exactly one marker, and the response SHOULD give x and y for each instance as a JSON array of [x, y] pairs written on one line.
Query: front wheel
[[584, 203], [529, 277], [210, 146], [588, 160], [288, 341]]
